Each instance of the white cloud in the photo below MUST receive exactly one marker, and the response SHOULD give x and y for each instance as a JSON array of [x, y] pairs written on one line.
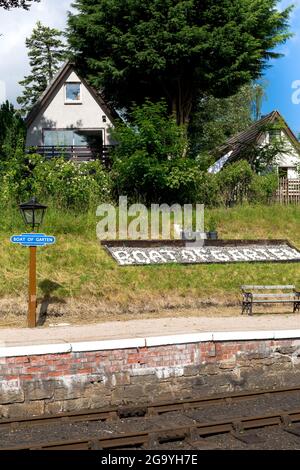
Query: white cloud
[[2, 91], [15, 26]]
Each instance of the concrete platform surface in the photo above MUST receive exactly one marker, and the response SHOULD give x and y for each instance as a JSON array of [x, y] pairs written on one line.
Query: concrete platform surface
[[149, 328]]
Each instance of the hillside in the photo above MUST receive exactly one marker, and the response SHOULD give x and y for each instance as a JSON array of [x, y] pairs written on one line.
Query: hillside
[[78, 282]]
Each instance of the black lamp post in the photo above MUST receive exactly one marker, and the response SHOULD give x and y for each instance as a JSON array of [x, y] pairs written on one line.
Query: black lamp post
[[33, 214]]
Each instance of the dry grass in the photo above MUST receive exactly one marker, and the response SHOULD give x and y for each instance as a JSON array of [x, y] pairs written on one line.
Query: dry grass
[[81, 311]]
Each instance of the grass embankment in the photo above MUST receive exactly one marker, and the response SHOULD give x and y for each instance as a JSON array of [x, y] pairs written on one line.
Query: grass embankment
[[81, 283]]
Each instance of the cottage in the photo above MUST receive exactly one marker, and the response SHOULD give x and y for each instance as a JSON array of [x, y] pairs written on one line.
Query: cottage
[[270, 131], [70, 118]]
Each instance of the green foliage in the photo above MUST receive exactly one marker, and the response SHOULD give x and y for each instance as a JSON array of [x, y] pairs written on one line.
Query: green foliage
[[70, 184], [12, 136], [148, 161], [64, 183], [212, 223], [214, 120], [176, 49], [150, 132], [262, 158], [149, 166], [234, 182], [7, 4], [12, 131], [263, 188], [46, 53]]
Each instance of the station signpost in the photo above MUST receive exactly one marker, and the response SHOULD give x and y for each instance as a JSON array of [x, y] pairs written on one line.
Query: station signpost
[[33, 214]]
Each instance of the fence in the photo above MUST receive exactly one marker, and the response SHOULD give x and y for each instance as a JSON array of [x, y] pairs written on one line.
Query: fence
[[288, 191], [77, 153]]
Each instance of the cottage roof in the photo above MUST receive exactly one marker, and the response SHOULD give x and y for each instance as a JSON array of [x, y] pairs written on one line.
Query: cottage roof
[[234, 148]]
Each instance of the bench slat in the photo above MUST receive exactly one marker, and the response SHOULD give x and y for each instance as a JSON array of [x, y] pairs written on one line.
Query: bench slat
[[266, 287], [272, 301], [277, 296]]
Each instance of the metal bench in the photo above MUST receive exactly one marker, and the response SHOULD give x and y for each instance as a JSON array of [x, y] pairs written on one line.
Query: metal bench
[[251, 297]]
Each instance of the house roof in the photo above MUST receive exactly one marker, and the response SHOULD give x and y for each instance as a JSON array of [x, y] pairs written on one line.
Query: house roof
[[56, 83], [235, 146]]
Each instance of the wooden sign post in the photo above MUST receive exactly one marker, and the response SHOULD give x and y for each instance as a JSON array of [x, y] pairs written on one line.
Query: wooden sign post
[[32, 303], [32, 240]]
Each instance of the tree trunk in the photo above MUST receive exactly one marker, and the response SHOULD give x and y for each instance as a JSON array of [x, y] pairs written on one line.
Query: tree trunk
[[182, 102]]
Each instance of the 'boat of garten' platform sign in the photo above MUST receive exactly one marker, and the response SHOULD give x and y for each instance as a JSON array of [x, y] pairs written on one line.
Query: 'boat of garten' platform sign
[[222, 251], [33, 239]]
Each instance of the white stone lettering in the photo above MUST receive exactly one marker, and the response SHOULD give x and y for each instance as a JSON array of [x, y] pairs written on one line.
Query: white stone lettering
[[156, 257], [141, 257]]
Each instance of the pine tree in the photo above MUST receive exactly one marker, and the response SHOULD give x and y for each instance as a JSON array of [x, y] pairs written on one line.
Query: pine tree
[[46, 53], [180, 50], [7, 4]]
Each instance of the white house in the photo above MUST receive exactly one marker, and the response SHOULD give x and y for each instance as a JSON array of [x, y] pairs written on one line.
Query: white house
[[70, 117], [260, 135]]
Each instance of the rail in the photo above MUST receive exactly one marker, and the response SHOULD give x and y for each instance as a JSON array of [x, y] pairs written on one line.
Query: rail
[[149, 409], [74, 152]]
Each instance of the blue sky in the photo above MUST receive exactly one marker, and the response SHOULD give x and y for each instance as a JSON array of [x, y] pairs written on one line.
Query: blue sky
[[16, 25], [284, 74]]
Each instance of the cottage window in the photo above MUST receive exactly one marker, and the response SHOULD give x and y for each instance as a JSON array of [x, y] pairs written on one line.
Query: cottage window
[[274, 135], [283, 172], [73, 93]]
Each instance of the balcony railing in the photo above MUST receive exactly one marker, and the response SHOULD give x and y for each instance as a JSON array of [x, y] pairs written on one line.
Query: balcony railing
[[79, 153]]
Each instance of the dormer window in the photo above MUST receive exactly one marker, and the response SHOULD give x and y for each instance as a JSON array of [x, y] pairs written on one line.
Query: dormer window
[[73, 93]]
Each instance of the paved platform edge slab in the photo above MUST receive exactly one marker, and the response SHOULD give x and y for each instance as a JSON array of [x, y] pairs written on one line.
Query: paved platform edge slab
[[131, 343]]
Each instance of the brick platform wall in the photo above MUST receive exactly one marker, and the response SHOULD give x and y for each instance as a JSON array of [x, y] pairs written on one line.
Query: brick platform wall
[[34, 385]]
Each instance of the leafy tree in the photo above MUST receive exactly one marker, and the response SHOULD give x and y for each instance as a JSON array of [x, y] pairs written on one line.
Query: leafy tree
[[216, 119], [7, 4], [147, 147], [150, 132], [12, 131], [46, 52], [179, 50]]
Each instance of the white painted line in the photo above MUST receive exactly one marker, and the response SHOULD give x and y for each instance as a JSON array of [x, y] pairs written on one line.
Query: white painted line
[[179, 339], [132, 343], [108, 345], [287, 334], [39, 350], [242, 335]]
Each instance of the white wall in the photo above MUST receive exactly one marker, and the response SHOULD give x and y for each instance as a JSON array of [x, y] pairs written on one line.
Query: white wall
[[59, 115], [289, 159]]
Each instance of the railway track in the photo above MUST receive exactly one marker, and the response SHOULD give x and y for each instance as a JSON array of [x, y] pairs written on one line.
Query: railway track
[[193, 434], [241, 428], [144, 410]]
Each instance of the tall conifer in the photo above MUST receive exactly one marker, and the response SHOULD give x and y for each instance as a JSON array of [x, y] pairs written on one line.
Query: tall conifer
[[47, 51]]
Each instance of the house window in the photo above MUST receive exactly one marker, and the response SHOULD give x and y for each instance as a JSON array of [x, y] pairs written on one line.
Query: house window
[[274, 135], [71, 137], [283, 172], [73, 93]]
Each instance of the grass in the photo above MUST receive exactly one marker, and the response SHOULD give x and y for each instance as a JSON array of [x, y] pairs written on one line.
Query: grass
[[80, 277]]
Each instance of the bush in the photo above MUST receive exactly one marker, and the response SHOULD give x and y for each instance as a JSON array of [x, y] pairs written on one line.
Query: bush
[[68, 184], [149, 181], [263, 188], [150, 132], [234, 182]]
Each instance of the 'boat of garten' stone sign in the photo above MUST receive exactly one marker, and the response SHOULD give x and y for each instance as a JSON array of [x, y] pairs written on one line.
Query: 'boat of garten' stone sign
[[220, 252]]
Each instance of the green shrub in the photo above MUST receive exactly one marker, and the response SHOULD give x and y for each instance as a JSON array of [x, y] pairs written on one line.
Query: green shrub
[[150, 132], [234, 182], [66, 183], [71, 184], [263, 188]]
